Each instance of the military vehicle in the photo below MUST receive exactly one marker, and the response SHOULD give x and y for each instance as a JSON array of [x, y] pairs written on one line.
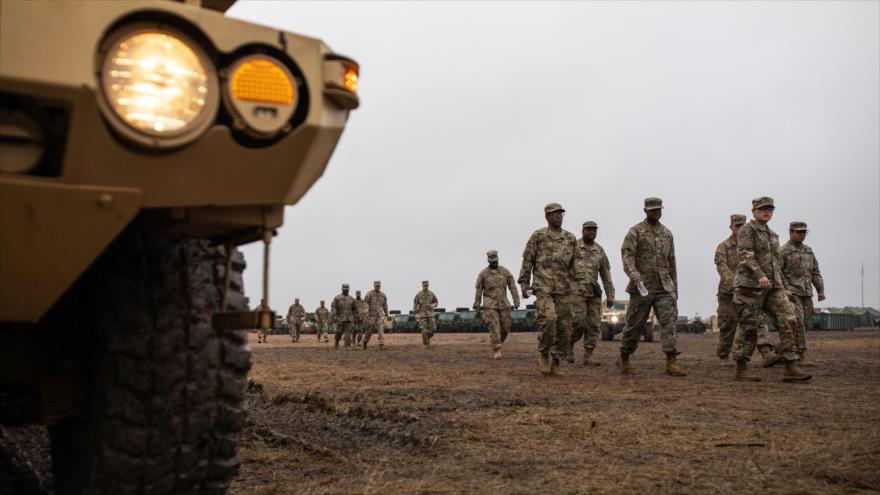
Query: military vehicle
[[140, 142], [614, 319]]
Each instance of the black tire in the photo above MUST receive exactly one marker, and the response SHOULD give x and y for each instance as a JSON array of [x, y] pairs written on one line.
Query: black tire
[[648, 332], [605, 332], [166, 392]]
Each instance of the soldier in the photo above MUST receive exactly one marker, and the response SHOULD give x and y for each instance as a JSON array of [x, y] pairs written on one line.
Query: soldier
[[726, 262], [360, 317], [587, 310], [322, 317], [492, 285], [648, 253], [342, 311], [758, 288], [549, 268], [378, 309], [295, 315], [423, 307], [800, 272], [262, 335]]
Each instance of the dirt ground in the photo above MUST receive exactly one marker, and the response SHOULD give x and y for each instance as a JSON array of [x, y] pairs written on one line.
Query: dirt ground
[[451, 420]]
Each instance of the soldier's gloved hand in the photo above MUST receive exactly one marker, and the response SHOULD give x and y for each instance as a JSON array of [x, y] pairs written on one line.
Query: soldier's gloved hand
[[822, 296]]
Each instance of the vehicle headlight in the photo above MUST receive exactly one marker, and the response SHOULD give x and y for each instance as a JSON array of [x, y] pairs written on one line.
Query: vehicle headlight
[[614, 319], [159, 84], [262, 95]]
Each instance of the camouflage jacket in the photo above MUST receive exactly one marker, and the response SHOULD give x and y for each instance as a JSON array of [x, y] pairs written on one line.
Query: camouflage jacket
[[343, 308], [322, 315], [595, 263], [726, 260], [492, 286], [649, 250], [363, 310], [424, 303], [296, 313], [377, 303], [800, 270], [550, 263], [757, 249]]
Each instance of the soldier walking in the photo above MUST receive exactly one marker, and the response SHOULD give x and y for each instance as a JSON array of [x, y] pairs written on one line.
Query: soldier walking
[[492, 285], [360, 317], [758, 288], [322, 317], [378, 309], [726, 262], [423, 307], [649, 260], [262, 334], [295, 316], [587, 310], [342, 311], [549, 270], [800, 272]]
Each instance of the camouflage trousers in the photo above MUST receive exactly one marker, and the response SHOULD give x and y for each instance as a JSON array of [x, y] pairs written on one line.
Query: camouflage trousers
[[374, 325], [554, 324], [803, 311], [343, 329], [587, 317], [637, 314], [263, 335], [294, 330], [751, 304], [428, 326], [321, 329], [358, 330], [727, 327], [499, 323]]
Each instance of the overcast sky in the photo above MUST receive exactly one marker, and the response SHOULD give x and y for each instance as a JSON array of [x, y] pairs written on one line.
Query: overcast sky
[[475, 115]]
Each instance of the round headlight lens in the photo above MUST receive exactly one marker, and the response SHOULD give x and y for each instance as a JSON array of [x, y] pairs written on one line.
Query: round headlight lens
[[261, 94], [157, 83]]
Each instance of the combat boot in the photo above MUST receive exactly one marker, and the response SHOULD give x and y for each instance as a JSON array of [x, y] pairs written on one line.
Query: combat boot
[[794, 374], [554, 368], [588, 359], [336, 344], [570, 356], [497, 354], [381, 347], [364, 344], [768, 357], [623, 364], [742, 373], [672, 368], [544, 364], [805, 360]]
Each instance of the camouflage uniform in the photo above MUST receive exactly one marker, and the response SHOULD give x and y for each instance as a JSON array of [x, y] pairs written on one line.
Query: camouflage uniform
[[587, 310], [262, 335], [361, 316], [322, 317], [549, 265], [758, 250], [649, 250], [423, 307], [378, 309], [492, 286], [726, 262], [295, 316], [800, 272], [342, 312]]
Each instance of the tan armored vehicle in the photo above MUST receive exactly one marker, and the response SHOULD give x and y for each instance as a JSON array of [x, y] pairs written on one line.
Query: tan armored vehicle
[[140, 142], [614, 320]]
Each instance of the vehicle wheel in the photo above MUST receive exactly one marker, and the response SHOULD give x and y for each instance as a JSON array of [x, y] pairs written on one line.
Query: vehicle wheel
[[605, 332], [648, 332], [166, 392]]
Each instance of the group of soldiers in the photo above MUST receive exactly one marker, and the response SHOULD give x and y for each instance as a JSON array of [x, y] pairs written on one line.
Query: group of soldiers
[[758, 278]]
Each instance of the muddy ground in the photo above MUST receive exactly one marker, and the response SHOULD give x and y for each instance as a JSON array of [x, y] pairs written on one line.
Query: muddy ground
[[451, 420]]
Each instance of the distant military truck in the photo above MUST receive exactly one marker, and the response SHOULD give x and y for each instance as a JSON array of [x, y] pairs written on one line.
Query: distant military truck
[[524, 320], [614, 320], [140, 143]]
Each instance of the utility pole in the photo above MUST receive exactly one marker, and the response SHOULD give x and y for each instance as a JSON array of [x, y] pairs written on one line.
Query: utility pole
[[863, 284]]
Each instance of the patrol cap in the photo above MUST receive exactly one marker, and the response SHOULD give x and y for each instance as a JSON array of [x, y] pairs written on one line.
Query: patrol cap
[[377, 282], [357, 292], [762, 202], [798, 226], [653, 204], [589, 224], [492, 255], [424, 282], [344, 286], [551, 207], [737, 219]]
